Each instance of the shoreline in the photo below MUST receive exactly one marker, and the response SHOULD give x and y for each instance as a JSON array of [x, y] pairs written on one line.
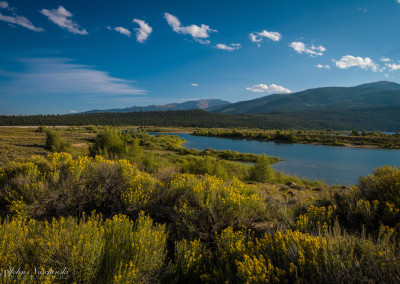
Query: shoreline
[[172, 130], [346, 145]]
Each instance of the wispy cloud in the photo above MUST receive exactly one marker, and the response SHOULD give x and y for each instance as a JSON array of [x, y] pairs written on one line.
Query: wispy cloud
[[393, 66], [122, 30], [320, 66], [194, 85], [15, 19], [384, 59], [143, 32], [257, 37], [196, 32], [61, 17], [230, 47], [313, 51], [349, 61], [260, 88], [60, 76], [202, 41]]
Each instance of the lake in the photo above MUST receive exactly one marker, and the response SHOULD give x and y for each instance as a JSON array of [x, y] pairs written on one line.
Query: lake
[[334, 165]]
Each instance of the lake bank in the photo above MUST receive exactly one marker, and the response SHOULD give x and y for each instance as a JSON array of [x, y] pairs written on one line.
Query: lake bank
[[334, 165], [321, 137]]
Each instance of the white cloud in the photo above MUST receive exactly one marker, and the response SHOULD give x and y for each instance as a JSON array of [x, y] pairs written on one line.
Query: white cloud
[[323, 66], [313, 51], [61, 18], [318, 48], [143, 32], [253, 37], [73, 111], [351, 61], [384, 59], [17, 20], [231, 47], [60, 76], [398, 1], [260, 88], [202, 41], [393, 66], [195, 31], [258, 36], [121, 30], [194, 85]]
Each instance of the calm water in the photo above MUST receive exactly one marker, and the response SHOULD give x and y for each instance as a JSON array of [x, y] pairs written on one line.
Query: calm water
[[334, 165]]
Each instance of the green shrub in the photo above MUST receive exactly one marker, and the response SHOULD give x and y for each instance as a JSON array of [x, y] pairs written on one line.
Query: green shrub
[[54, 143], [375, 201], [383, 185], [262, 171], [91, 128], [153, 162], [211, 166], [113, 143]]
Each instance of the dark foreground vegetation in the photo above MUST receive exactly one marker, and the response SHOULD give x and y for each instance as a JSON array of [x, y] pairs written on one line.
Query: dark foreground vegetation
[[369, 119], [134, 210], [325, 137]]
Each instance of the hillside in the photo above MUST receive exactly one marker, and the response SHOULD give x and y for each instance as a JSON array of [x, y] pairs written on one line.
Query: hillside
[[371, 95], [195, 104], [245, 106]]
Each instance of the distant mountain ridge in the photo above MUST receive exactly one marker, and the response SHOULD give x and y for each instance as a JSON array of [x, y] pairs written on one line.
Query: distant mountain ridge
[[194, 104], [370, 95]]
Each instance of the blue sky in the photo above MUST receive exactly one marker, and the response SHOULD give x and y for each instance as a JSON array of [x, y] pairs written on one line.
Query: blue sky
[[72, 56]]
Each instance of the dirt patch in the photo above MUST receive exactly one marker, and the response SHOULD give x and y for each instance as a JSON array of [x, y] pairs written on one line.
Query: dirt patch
[[362, 146], [80, 145]]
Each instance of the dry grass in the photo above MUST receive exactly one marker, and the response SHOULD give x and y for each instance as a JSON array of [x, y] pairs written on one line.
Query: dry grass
[[18, 142]]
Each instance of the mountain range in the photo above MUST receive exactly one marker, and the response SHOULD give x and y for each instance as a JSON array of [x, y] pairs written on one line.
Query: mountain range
[[371, 95], [365, 96], [195, 104]]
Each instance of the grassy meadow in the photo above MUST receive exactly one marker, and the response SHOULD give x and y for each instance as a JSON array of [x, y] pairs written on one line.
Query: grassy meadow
[[101, 205]]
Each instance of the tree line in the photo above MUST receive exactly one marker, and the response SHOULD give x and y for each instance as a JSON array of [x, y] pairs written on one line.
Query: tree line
[[380, 119]]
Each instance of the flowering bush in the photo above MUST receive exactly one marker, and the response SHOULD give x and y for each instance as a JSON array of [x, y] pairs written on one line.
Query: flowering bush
[[210, 204], [374, 201], [316, 218], [140, 191], [90, 249]]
